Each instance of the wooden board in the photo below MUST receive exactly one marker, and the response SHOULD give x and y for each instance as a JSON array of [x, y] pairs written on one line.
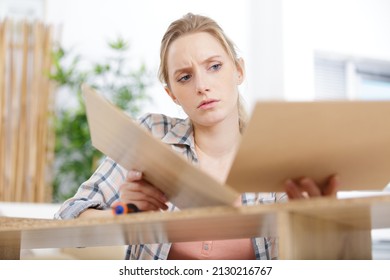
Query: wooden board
[[315, 139], [209, 223], [116, 135]]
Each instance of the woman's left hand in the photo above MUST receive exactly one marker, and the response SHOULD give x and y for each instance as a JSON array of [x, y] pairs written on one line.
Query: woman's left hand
[[306, 187]]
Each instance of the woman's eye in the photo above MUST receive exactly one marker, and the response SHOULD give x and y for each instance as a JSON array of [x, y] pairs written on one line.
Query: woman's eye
[[184, 78], [216, 67]]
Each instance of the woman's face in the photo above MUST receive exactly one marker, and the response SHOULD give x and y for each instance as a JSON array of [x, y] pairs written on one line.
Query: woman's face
[[203, 79]]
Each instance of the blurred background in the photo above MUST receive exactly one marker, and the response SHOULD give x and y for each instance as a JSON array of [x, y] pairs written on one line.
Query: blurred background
[[295, 50]]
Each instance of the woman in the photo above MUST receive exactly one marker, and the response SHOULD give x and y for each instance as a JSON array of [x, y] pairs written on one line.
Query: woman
[[201, 72]]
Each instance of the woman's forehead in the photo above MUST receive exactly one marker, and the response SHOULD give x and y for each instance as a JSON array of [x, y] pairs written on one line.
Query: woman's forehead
[[196, 46]]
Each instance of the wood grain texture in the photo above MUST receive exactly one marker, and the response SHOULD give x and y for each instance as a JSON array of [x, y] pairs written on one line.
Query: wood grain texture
[[20, 142], [25, 111], [303, 227], [3, 78], [315, 139], [10, 243], [306, 237]]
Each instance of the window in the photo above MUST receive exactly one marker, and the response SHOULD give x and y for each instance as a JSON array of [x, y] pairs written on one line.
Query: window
[[341, 77], [373, 85], [330, 79]]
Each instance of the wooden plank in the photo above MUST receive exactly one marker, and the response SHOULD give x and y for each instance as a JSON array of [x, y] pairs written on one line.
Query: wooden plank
[[360, 212], [32, 126], [21, 141], [13, 117], [118, 136], [7, 114], [10, 243], [23, 129], [195, 224], [303, 237], [315, 139], [223, 222], [39, 96], [3, 44], [44, 114], [340, 229]]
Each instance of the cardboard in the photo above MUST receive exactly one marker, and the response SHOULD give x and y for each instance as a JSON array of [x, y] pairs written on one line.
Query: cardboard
[[314, 139]]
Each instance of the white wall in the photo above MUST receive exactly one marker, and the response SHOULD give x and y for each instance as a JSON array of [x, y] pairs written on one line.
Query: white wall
[[88, 24], [354, 28], [28, 210], [277, 38]]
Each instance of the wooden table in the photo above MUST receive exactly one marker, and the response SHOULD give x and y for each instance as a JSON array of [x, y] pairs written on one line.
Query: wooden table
[[322, 228]]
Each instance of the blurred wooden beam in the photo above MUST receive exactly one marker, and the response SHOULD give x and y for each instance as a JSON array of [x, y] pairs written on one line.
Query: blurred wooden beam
[[323, 228]]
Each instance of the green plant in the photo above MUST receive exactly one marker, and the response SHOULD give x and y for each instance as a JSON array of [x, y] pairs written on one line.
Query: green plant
[[75, 157]]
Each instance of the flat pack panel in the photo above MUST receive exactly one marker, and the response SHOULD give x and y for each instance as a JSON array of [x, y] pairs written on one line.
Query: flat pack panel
[[195, 224], [315, 139]]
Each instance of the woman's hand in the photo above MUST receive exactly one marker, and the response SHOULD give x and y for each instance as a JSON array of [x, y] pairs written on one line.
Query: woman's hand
[[141, 193], [306, 187]]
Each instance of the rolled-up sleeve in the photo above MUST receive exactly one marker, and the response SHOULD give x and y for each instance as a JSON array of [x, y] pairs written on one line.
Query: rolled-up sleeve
[[100, 191]]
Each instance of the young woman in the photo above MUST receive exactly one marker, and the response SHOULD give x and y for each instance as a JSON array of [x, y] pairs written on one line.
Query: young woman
[[201, 72]]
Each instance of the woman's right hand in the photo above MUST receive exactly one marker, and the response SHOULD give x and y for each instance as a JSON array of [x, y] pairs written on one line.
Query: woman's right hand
[[138, 191]]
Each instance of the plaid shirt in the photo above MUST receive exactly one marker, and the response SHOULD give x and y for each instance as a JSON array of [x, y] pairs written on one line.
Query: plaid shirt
[[101, 190]]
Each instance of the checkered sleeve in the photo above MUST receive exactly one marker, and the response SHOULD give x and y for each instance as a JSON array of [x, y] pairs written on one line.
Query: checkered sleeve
[[101, 190]]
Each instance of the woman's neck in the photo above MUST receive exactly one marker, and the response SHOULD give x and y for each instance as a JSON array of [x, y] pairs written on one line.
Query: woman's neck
[[216, 147], [219, 140]]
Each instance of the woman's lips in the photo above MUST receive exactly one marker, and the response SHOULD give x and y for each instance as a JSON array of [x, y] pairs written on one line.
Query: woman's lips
[[208, 104]]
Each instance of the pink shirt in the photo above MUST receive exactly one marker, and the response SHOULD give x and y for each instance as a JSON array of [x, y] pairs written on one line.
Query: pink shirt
[[232, 249], [236, 249]]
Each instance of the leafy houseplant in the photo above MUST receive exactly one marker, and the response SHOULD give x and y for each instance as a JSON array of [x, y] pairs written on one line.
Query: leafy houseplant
[[75, 157]]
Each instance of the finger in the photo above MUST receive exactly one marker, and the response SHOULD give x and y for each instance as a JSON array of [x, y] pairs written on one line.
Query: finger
[[310, 187], [292, 189], [144, 205], [133, 175], [331, 188], [142, 191], [139, 198], [147, 189]]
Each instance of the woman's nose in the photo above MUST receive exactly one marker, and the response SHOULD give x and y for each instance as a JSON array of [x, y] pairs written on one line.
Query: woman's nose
[[201, 84]]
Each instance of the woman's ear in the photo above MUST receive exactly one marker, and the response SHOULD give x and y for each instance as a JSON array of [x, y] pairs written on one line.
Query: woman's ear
[[240, 66], [169, 92]]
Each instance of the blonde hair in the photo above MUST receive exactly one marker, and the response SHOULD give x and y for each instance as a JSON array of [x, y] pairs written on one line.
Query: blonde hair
[[191, 23]]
